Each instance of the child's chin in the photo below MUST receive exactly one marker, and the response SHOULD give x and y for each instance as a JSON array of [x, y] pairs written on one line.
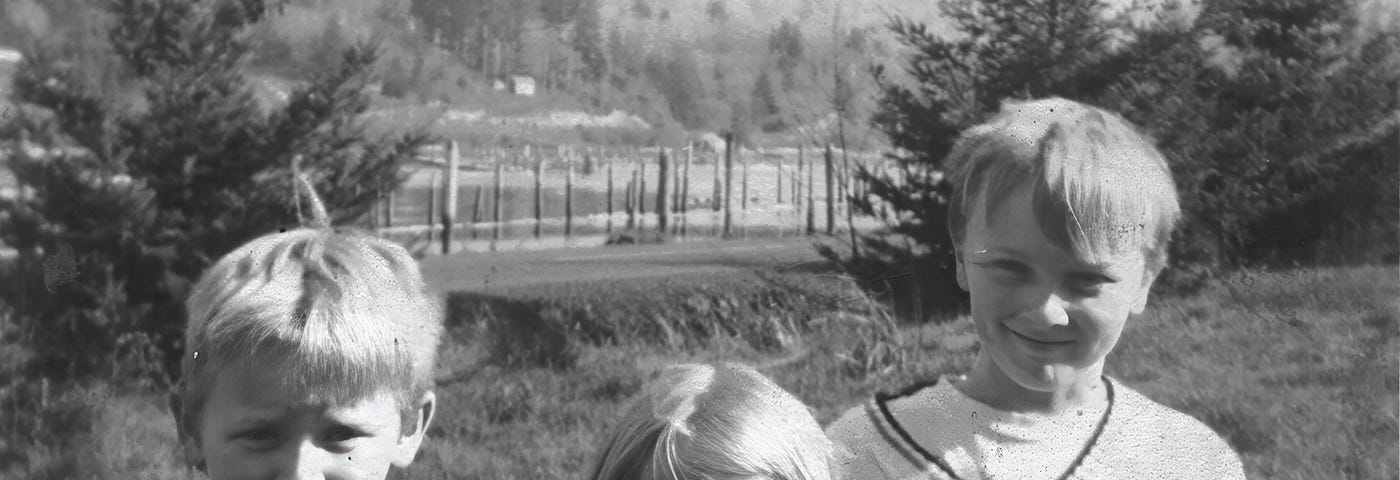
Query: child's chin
[[1045, 377]]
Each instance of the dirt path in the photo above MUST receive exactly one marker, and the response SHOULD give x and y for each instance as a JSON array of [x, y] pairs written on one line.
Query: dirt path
[[479, 271]]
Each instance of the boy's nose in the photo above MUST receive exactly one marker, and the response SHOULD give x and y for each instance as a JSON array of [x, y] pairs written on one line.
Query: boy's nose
[[311, 462], [1055, 311]]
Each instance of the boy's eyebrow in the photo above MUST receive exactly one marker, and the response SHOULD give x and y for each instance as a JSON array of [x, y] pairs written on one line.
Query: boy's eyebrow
[[256, 418], [1002, 250]]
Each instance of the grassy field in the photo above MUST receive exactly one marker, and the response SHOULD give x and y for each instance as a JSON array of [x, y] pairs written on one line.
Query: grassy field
[[1296, 369]]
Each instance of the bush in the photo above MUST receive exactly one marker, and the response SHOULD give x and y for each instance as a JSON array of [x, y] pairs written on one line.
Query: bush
[[156, 161]]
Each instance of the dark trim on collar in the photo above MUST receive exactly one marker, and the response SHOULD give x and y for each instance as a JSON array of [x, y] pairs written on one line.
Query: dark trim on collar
[[882, 403], [882, 400]]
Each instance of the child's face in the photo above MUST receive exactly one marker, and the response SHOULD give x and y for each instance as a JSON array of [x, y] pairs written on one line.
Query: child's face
[[251, 429], [1046, 317]]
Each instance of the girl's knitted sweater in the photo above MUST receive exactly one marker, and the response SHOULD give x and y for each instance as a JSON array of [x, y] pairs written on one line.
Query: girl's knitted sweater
[[914, 435]]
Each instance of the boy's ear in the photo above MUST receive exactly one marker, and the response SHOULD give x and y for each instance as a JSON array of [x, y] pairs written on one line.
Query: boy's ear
[[408, 444], [1148, 277], [189, 441], [961, 269]]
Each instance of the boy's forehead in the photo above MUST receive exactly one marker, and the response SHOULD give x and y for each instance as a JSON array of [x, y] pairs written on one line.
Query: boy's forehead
[[270, 385], [1014, 227]]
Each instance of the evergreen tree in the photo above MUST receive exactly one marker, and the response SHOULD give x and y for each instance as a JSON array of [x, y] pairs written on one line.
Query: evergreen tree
[[1270, 128], [641, 9], [1266, 111], [153, 161], [786, 42], [588, 41], [1001, 49], [716, 12], [678, 78], [323, 52], [767, 112]]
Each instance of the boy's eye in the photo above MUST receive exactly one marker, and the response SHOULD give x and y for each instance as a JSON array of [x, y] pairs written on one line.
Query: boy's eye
[[1089, 284], [343, 433], [258, 439], [1008, 268]]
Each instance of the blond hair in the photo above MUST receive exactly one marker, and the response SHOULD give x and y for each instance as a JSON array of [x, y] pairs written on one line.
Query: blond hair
[[703, 422], [1097, 184], [339, 315]]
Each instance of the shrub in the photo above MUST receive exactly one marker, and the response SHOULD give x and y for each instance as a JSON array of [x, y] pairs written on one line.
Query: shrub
[[157, 160]]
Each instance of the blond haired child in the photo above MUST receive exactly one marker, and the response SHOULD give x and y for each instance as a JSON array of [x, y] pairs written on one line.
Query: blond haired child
[[309, 355], [1060, 218], [701, 422]]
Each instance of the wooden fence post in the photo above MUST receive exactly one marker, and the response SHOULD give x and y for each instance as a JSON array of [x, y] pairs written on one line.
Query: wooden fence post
[[449, 204], [569, 203], [539, 195], [389, 209], [433, 201], [801, 165], [811, 200], [632, 200], [610, 191], [476, 208], [744, 202], [716, 195], [779, 179], [496, 206], [830, 193], [642, 193], [663, 176], [685, 189], [675, 186], [728, 182]]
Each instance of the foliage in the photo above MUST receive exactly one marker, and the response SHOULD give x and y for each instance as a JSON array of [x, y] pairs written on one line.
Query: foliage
[[786, 43], [1268, 112], [323, 52], [1004, 49], [1283, 130], [766, 110], [678, 77], [148, 158], [1325, 336], [716, 12], [588, 41]]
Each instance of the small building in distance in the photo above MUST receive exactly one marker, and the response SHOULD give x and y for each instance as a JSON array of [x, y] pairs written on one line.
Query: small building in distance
[[523, 85], [10, 55]]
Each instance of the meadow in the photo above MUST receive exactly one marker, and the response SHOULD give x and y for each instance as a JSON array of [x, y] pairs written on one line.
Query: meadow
[[1295, 368]]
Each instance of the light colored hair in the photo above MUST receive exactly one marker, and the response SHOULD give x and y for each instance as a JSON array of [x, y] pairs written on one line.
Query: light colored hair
[[1097, 184], [339, 315], [707, 422]]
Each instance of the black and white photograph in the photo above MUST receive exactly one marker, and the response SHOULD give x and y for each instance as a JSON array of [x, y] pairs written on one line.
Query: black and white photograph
[[700, 239]]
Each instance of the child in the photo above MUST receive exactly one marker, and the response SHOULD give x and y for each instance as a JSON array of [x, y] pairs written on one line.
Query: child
[[727, 422], [309, 353], [1060, 218]]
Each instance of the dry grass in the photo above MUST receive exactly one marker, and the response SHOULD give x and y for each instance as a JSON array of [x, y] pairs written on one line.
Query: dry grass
[[1296, 369]]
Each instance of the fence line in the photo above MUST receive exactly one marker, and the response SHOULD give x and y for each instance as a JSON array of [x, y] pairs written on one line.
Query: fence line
[[771, 195]]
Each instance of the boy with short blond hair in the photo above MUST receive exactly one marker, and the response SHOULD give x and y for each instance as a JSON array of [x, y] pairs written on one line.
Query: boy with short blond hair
[[1060, 218], [308, 352]]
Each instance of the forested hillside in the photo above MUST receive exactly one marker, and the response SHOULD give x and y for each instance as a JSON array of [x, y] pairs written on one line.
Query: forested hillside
[[781, 67]]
